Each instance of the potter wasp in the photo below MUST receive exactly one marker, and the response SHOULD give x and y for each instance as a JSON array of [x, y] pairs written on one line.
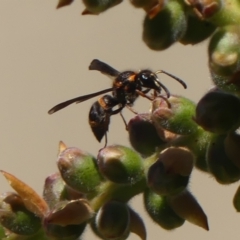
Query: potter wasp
[[126, 88]]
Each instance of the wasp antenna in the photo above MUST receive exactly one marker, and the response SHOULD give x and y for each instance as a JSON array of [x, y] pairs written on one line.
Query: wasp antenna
[[174, 77], [165, 89]]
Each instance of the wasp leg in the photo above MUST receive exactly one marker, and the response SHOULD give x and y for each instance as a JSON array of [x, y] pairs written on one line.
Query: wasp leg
[[106, 140], [124, 120], [131, 109], [143, 94]]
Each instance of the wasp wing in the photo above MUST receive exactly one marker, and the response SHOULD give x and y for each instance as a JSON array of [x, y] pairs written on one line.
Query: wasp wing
[[77, 100], [103, 68]]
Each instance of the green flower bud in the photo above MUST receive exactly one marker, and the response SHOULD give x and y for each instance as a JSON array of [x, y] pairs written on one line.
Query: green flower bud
[[98, 6], [120, 164], [197, 31], [160, 211], [177, 118], [219, 164], [79, 170], [167, 27], [143, 135], [223, 51], [170, 173], [187, 207], [218, 112], [113, 220], [16, 218]]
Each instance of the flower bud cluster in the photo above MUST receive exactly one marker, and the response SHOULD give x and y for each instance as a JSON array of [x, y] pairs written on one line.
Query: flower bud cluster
[[94, 191]]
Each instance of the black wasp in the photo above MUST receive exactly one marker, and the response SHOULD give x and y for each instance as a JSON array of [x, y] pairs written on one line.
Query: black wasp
[[126, 88]]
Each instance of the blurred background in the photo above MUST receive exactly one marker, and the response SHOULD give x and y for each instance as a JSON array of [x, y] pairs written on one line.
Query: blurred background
[[44, 59]]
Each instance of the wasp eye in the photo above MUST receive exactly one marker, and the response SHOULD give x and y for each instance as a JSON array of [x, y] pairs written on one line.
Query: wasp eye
[[144, 76]]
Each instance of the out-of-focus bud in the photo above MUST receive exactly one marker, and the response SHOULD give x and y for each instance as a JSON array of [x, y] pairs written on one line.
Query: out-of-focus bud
[[137, 225], [197, 30], [63, 3], [205, 9], [55, 190], [72, 212], [16, 217], [159, 210], [146, 4], [177, 118], [232, 147], [152, 7], [79, 170], [167, 27], [98, 6], [223, 51], [236, 200], [187, 207], [120, 164], [218, 112], [170, 173], [113, 220], [143, 135], [2, 232], [70, 232], [219, 164]]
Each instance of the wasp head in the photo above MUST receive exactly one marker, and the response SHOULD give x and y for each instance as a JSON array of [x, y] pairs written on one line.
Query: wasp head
[[149, 79]]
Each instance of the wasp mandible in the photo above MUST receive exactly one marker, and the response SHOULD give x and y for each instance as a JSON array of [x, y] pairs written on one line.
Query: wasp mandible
[[126, 88]]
